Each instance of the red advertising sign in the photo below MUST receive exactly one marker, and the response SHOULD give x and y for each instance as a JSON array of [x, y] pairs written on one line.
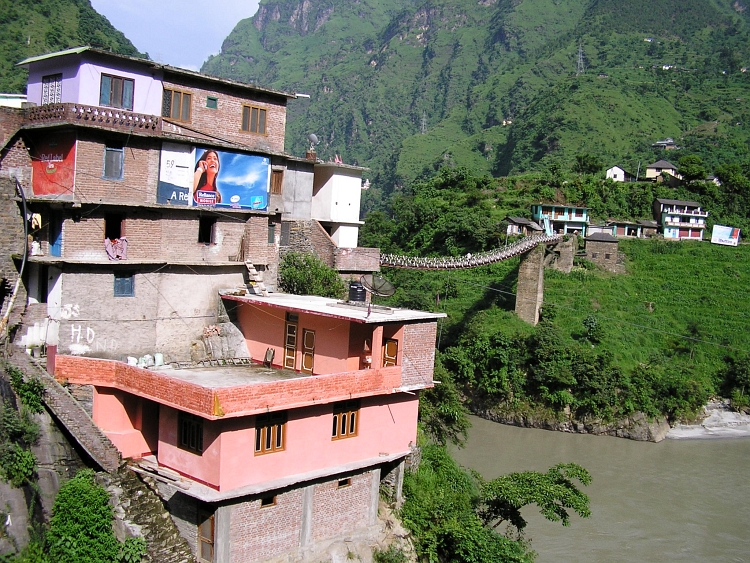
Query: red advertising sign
[[53, 164]]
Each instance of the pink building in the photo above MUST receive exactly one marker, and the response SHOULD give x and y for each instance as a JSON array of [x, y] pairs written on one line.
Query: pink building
[[277, 456]]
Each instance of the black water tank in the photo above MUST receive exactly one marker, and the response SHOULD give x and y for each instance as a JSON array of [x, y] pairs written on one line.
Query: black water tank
[[357, 292]]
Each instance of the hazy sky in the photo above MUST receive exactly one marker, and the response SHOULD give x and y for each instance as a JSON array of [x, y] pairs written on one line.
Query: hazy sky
[[176, 32]]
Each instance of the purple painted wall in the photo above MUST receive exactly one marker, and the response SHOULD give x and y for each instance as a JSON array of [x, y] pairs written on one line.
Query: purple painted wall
[[82, 79]]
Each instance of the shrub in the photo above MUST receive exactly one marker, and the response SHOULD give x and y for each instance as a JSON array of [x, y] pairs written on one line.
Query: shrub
[[81, 525], [305, 274], [30, 391]]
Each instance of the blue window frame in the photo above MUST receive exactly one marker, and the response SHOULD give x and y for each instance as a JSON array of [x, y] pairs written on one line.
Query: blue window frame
[[124, 284]]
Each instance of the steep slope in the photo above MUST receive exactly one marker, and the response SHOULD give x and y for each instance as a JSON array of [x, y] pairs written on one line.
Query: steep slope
[[34, 27], [494, 85]]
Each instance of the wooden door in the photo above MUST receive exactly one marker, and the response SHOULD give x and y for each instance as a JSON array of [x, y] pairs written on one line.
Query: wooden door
[[390, 352], [308, 350], [290, 346]]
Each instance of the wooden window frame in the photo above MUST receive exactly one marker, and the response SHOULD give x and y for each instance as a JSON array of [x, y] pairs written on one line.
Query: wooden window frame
[[204, 516], [190, 433], [113, 92], [277, 182], [345, 422], [246, 124], [167, 110], [268, 501], [291, 335], [270, 433]]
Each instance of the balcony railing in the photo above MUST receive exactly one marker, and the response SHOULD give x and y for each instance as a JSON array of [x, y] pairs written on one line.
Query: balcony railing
[[684, 224], [93, 115]]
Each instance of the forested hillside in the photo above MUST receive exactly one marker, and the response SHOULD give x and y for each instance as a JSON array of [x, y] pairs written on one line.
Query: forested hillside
[[35, 27], [496, 85]]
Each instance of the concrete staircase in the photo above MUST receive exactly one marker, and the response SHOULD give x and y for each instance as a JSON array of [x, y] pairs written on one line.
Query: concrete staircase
[[256, 285]]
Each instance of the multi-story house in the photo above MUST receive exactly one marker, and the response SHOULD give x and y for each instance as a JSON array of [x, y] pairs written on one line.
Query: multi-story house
[[563, 219], [281, 458], [151, 187], [682, 220]]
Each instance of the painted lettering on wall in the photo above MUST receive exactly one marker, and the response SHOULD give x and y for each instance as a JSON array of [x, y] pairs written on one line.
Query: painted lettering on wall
[[83, 338]]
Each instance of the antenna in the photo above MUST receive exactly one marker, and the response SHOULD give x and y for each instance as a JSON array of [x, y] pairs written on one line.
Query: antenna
[[424, 122], [377, 285]]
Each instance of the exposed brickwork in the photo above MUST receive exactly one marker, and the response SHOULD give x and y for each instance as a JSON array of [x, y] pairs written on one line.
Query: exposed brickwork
[[419, 354], [75, 420], [337, 510], [140, 169], [357, 259], [11, 242], [16, 163], [234, 401], [11, 120], [226, 120], [257, 534], [257, 248]]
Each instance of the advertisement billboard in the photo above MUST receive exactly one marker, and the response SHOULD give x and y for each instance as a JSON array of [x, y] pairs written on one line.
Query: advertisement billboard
[[53, 164], [728, 236], [200, 176], [227, 179]]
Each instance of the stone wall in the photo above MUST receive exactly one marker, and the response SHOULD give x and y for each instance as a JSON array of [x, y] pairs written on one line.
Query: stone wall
[[11, 242], [530, 289], [605, 255]]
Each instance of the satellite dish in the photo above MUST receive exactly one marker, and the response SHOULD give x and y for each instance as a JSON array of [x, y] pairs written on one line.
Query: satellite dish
[[377, 285], [313, 138]]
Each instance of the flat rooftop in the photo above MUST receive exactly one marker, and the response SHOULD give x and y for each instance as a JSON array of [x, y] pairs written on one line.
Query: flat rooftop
[[219, 377], [358, 313]]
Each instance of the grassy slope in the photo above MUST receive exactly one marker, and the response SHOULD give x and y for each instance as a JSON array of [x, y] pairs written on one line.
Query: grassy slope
[[36, 27]]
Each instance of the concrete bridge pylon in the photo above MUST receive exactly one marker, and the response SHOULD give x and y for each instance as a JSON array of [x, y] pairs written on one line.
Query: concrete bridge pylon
[[530, 288]]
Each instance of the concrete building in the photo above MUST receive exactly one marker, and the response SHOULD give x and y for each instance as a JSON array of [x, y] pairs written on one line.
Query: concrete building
[[561, 219], [274, 460], [654, 171], [680, 220], [148, 184], [619, 174]]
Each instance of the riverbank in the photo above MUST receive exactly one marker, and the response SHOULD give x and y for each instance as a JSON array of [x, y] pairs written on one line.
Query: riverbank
[[719, 422]]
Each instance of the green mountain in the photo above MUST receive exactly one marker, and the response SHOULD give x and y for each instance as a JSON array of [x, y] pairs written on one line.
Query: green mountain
[[501, 86], [35, 27]]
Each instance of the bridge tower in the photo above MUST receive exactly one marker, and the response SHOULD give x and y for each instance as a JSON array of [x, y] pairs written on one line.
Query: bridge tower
[[530, 288]]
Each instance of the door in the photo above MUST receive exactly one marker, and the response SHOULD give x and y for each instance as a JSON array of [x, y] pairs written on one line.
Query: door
[[55, 234], [290, 346], [308, 350], [390, 352]]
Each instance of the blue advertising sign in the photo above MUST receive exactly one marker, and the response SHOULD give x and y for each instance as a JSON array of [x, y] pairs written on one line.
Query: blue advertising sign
[[226, 179]]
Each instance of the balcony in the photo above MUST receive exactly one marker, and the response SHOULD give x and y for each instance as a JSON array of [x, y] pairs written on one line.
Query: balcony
[[80, 114], [684, 224]]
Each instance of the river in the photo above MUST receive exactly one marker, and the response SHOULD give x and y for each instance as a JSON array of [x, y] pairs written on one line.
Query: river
[[678, 500]]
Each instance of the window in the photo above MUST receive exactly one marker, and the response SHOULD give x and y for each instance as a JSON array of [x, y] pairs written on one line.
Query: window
[[124, 284], [113, 223], [285, 230], [254, 120], [345, 420], [176, 105], [342, 483], [265, 502], [114, 155], [52, 89], [270, 432], [190, 432], [271, 233], [206, 530], [212, 102], [116, 92], [390, 353], [607, 256], [277, 179], [594, 254], [206, 230]]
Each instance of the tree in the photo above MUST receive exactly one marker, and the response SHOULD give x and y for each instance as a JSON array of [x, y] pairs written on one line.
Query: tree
[[691, 168], [587, 164], [81, 525], [441, 411], [306, 274], [554, 492]]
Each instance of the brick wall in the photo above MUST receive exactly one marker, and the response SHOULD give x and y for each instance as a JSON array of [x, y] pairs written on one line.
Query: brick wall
[[10, 121], [357, 259], [11, 242], [226, 120], [257, 534], [231, 401], [140, 168], [337, 511], [419, 354], [16, 162]]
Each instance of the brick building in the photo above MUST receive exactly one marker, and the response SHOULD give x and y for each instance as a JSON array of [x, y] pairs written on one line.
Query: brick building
[[281, 459], [152, 187]]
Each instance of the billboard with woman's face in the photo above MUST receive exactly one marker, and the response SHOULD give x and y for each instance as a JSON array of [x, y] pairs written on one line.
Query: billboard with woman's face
[[207, 177]]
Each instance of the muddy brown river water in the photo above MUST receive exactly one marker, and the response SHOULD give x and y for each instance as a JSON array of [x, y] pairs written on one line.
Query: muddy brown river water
[[679, 500]]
